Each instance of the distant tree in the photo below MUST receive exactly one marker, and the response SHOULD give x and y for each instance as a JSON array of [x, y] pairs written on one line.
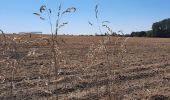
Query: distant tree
[[159, 29], [142, 34], [139, 34], [149, 33], [114, 34], [162, 28]]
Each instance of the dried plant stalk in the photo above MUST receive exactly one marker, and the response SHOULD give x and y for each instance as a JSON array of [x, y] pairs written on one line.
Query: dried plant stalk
[[4, 37], [55, 43]]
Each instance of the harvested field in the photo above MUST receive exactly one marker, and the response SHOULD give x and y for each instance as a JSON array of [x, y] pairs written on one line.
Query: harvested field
[[88, 69]]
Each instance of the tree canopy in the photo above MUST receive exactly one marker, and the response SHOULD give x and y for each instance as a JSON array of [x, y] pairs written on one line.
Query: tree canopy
[[162, 28]]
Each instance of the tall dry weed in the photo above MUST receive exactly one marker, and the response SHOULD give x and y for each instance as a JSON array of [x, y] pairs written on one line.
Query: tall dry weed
[[103, 44], [114, 51], [55, 44]]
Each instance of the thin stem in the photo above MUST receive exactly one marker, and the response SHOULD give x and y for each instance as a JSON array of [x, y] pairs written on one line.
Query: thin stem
[[99, 26], [53, 47], [51, 26], [58, 19], [12, 78], [97, 18], [3, 35]]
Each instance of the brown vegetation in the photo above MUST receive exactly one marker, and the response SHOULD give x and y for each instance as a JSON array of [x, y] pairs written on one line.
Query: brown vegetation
[[137, 68]]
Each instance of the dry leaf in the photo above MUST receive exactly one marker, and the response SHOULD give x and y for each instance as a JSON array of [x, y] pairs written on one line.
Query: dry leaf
[[96, 11], [90, 23], [63, 24], [49, 11], [42, 8], [42, 18], [69, 10], [105, 22], [36, 14]]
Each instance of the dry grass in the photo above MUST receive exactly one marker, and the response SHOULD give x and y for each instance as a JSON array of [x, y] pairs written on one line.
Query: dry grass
[[143, 73]]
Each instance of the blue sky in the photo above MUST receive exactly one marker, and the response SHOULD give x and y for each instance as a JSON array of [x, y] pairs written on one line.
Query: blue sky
[[125, 15]]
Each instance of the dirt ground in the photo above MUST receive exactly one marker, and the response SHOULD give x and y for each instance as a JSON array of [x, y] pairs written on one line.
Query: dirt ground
[[89, 68]]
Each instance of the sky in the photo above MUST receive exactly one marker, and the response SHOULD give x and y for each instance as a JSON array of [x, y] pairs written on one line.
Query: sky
[[126, 15]]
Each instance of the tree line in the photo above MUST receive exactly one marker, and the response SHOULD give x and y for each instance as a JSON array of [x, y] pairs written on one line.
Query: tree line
[[159, 29]]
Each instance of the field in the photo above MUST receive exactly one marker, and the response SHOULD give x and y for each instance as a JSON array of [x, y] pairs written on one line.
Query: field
[[89, 68]]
